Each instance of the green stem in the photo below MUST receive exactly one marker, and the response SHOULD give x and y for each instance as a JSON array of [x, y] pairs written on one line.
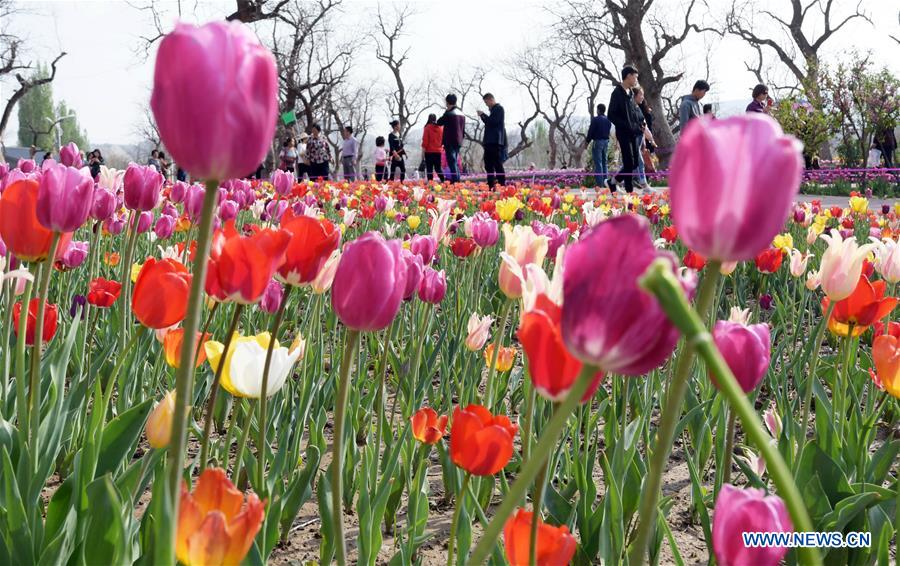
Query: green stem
[[340, 407], [263, 396], [34, 389], [807, 396], [670, 414], [660, 281], [242, 443], [124, 302], [498, 342], [536, 506], [21, 401], [214, 391], [533, 466], [529, 422], [7, 359], [729, 447], [454, 524], [379, 398], [184, 377]]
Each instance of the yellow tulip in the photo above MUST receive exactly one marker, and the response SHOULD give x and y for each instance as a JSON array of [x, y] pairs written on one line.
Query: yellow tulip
[[413, 221], [215, 349]]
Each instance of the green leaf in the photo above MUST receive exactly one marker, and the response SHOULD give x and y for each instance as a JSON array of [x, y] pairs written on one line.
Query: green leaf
[[15, 529], [846, 510], [120, 437], [106, 539]]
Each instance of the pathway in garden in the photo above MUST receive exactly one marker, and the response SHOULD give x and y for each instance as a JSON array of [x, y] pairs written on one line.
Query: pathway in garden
[[827, 200]]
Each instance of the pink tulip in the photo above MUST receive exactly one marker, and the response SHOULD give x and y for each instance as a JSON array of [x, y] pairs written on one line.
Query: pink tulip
[[272, 297], [479, 330], [193, 201], [228, 210], [103, 203], [142, 187], [26, 165], [433, 287], [64, 198], [414, 272], [325, 277], [732, 183], [423, 246], [75, 254], [215, 99], [165, 226], [741, 511], [484, 230], [522, 247], [70, 155], [177, 192], [114, 224], [607, 320], [369, 283], [283, 182], [145, 221], [746, 349]]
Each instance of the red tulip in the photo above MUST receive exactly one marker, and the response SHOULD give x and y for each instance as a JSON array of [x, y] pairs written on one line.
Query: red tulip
[[161, 293], [462, 247], [694, 260], [480, 442], [311, 243], [240, 267], [769, 260], [427, 426], [51, 317], [103, 292], [555, 545], [866, 305]]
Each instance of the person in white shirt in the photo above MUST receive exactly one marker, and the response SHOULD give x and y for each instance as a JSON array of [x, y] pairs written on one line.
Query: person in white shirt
[[349, 152], [380, 157], [302, 160]]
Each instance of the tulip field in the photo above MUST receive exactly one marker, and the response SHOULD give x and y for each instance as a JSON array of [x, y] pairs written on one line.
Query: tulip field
[[236, 371]]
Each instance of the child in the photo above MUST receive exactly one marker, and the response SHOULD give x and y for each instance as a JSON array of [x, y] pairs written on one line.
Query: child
[[380, 159]]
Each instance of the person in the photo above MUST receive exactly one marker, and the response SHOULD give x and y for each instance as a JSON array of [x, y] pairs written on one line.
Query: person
[[181, 174], [318, 154], [454, 123], [494, 141], [690, 103], [164, 166], [380, 157], [95, 160], [398, 154], [886, 142], [288, 156], [708, 111], [626, 117], [432, 147], [598, 134], [302, 159], [645, 141], [760, 97], [349, 153], [154, 159]]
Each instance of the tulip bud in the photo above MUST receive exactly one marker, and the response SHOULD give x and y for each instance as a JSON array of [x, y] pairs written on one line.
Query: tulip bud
[[64, 198], [70, 156], [165, 227], [740, 511], [103, 203], [159, 423], [433, 286], [478, 331], [272, 296], [142, 187], [75, 254], [746, 349]]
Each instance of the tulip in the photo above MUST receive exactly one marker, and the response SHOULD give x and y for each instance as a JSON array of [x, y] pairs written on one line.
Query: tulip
[[103, 203], [70, 156], [369, 283], [798, 263], [114, 225], [746, 349], [215, 524], [413, 221], [765, 301], [462, 247], [245, 362], [605, 315], [165, 227], [193, 201], [26, 165], [272, 297], [240, 267], [215, 99], [741, 511], [145, 220], [480, 442], [865, 306], [427, 426], [772, 421], [478, 329], [505, 357], [51, 318], [24, 235], [312, 242], [325, 277], [64, 198], [887, 253], [484, 230], [161, 293], [275, 210], [433, 286], [228, 210], [694, 260], [414, 272], [841, 265], [886, 355], [142, 187], [159, 423], [522, 247], [178, 191], [283, 182], [424, 247], [714, 181], [555, 545], [556, 236], [172, 347], [769, 260], [74, 254]]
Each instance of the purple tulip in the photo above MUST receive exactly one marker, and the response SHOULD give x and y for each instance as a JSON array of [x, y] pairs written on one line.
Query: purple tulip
[[64, 198], [276, 209], [485, 230], [114, 224], [423, 246], [228, 210], [765, 301], [380, 203], [177, 192], [741, 511], [414, 273], [283, 182], [165, 226], [70, 155], [103, 204], [78, 301], [169, 209], [605, 315], [193, 201], [75, 254], [433, 286], [145, 221], [26, 166], [369, 283], [556, 236], [142, 187], [746, 349], [272, 297]]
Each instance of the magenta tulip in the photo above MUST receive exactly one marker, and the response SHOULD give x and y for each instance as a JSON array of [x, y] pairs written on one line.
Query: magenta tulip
[[103, 204], [177, 192], [114, 224], [369, 283], [193, 201], [746, 349], [272, 296], [283, 182], [748, 510], [414, 272], [145, 221], [75, 254], [165, 226], [433, 286], [142, 187], [215, 99], [26, 165], [484, 229], [70, 155], [424, 247], [228, 210], [607, 320], [720, 171], [64, 198]]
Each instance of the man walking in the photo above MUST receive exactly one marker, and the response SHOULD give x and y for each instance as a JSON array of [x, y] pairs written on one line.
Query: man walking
[[494, 141], [598, 133], [690, 103], [349, 153], [454, 124], [626, 117], [398, 153]]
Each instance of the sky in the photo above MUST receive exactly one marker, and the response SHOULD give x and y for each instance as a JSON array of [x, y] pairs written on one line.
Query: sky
[[106, 78]]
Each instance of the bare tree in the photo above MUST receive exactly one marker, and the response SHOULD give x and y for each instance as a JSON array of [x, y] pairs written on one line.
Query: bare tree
[[607, 34], [146, 128], [349, 107], [794, 40], [407, 102], [26, 84]]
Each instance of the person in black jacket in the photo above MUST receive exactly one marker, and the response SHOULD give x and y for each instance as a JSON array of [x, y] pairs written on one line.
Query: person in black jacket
[[598, 133], [454, 123], [626, 117], [397, 153], [494, 141]]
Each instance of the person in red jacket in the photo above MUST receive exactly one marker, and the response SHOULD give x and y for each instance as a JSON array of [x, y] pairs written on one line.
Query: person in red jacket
[[432, 147]]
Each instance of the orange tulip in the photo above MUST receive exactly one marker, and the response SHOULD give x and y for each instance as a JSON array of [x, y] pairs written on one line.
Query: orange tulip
[[866, 305], [161, 293], [112, 259], [159, 423], [215, 526], [427, 426], [311, 244], [480, 442], [172, 347], [24, 236], [505, 358], [555, 545], [886, 354], [240, 267]]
